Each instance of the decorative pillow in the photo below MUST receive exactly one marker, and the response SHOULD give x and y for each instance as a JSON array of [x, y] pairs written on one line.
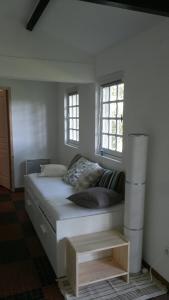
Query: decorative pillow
[[114, 180], [89, 177], [53, 170], [108, 179], [96, 197], [83, 173], [120, 184], [74, 160]]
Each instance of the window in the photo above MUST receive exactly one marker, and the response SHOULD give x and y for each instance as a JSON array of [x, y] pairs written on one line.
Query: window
[[111, 118], [72, 119]]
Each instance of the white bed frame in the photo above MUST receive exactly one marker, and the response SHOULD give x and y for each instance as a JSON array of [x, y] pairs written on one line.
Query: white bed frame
[[54, 242]]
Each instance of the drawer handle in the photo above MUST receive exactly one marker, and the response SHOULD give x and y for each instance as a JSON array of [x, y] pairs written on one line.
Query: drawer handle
[[43, 228]]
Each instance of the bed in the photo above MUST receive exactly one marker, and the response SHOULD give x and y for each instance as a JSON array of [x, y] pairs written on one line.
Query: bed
[[55, 218]]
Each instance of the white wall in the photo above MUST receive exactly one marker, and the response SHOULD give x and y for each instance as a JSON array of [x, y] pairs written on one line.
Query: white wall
[[34, 122], [144, 61], [45, 70]]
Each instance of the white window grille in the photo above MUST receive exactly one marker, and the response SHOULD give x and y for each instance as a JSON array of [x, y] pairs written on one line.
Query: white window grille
[[111, 118], [72, 119]]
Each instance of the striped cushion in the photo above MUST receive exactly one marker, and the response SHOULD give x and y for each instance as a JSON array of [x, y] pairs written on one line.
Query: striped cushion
[[108, 179], [112, 179], [120, 184]]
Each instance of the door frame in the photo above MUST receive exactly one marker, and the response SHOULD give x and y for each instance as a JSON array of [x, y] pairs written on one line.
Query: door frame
[[10, 135]]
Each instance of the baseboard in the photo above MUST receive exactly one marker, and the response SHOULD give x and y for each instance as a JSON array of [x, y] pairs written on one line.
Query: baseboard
[[156, 274], [19, 189]]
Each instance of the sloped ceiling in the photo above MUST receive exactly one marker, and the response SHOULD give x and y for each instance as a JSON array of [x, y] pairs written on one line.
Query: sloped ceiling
[[69, 31], [91, 27]]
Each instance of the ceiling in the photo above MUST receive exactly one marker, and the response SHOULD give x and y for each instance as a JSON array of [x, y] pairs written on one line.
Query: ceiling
[[93, 27], [69, 30]]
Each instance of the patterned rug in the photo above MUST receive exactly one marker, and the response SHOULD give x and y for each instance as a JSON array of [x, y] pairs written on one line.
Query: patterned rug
[[25, 272], [140, 288]]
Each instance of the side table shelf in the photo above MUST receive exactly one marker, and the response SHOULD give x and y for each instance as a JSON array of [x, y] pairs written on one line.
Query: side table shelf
[[95, 257]]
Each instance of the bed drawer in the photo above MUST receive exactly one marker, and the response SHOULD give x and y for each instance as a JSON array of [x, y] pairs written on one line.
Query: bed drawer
[[43, 229], [30, 208], [47, 237]]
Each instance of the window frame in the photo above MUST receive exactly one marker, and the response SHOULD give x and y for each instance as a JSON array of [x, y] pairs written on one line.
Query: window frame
[[105, 152], [68, 141]]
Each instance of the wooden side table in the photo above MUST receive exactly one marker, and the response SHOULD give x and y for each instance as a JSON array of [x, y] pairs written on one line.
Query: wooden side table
[[95, 257]]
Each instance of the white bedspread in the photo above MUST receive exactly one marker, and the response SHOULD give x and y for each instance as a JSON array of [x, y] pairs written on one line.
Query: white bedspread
[[50, 195]]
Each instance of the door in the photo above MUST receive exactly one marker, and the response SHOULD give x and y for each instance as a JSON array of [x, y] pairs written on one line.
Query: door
[[5, 153]]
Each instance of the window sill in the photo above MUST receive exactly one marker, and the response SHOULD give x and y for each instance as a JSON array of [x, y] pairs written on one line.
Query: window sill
[[110, 157], [72, 146]]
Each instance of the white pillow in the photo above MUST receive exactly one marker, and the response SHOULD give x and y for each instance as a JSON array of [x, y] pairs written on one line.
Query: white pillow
[[53, 170]]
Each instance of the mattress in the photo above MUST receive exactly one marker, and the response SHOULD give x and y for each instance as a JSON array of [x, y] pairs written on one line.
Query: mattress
[[50, 193]]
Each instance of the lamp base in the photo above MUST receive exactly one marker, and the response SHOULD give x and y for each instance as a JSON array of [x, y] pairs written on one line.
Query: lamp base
[[136, 239]]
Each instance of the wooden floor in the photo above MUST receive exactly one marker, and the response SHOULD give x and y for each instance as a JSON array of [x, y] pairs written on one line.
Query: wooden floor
[[25, 271]]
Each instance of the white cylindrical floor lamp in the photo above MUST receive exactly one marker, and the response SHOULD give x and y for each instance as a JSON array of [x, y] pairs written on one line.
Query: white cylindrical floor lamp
[[134, 196]]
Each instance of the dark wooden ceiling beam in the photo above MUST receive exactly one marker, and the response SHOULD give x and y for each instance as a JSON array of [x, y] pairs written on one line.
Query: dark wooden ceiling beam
[[39, 9], [160, 7]]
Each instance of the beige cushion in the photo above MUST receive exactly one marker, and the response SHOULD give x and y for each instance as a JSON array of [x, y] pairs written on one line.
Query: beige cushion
[[53, 170]]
